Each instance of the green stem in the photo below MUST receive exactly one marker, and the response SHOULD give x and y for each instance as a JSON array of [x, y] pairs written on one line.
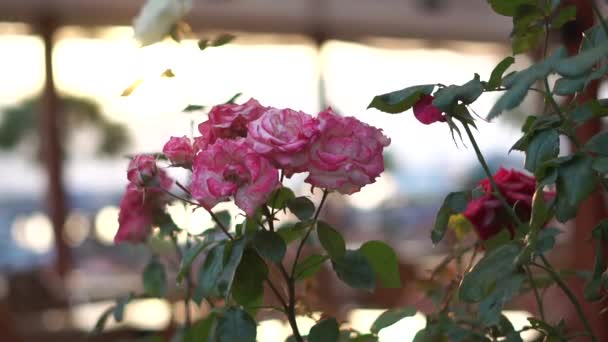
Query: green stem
[[486, 169], [558, 280], [539, 300]]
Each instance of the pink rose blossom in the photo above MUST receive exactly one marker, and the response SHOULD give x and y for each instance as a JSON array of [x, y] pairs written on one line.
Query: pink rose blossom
[[229, 167], [179, 151], [142, 171], [283, 135], [138, 207], [229, 121], [347, 155], [425, 112]]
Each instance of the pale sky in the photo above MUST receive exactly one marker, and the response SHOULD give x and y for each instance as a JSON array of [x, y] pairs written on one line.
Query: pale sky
[[277, 74]]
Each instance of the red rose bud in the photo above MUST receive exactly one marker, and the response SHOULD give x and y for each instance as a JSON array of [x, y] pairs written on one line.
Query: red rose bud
[[425, 112]]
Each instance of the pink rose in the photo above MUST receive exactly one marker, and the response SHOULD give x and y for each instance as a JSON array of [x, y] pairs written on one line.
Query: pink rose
[[138, 207], [229, 121], [488, 217], [142, 171], [425, 112], [283, 135], [179, 151], [229, 167], [347, 154]]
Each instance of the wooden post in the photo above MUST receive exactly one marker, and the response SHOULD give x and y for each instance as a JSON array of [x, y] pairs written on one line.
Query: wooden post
[[50, 127]]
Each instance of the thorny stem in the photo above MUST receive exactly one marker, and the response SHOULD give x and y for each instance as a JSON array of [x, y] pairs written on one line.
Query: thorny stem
[[539, 301], [558, 280]]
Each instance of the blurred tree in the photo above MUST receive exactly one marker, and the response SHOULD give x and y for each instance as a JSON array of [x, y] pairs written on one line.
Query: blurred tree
[[20, 123]]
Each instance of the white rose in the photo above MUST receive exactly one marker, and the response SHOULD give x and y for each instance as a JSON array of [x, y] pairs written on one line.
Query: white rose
[[156, 19]]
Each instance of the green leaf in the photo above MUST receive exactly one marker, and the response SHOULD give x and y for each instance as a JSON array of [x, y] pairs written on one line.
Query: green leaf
[[454, 203], [567, 86], [280, 197], [446, 98], [200, 330], [189, 257], [598, 144], [155, 278], [600, 232], [575, 182], [593, 289], [490, 307], [528, 29], [209, 274], [565, 14], [235, 250], [384, 261], [581, 63], [224, 217], [494, 266], [326, 330], [390, 317], [519, 82], [355, 270], [119, 309], [269, 245], [601, 164], [302, 207], [293, 232], [222, 39], [546, 239], [193, 108], [499, 70], [508, 7], [543, 146], [235, 325], [309, 266], [400, 100], [233, 99], [249, 279], [331, 240]]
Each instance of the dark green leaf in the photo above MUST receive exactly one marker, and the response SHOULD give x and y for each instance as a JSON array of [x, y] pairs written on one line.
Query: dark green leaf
[[526, 39], [543, 146], [495, 265], [565, 14], [249, 279], [223, 39], [201, 330], [575, 182], [384, 261], [155, 279], [309, 266], [454, 203], [593, 289], [302, 207], [269, 245], [294, 232], [355, 270], [235, 250], [600, 232], [598, 144], [400, 100], [224, 217], [578, 65], [210, 273], [546, 239], [508, 7], [326, 330], [499, 70], [280, 197], [193, 108], [446, 98], [235, 325], [390, 317], [331, 240], [233, 99], [189, 256], [506, 287], [601, 165]]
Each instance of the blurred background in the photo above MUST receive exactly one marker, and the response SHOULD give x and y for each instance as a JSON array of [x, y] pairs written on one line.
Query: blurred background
[[66, 129]]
